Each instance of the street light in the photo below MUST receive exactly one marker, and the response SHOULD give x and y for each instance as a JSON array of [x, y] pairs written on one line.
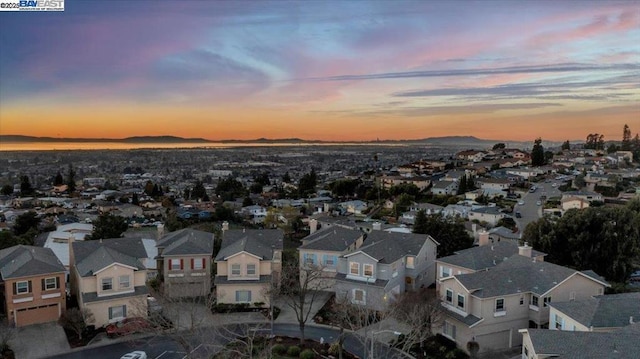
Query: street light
[[373, 334]]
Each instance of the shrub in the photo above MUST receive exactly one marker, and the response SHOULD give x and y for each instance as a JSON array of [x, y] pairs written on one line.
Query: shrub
[[279, 349], [293, 351], [307, 354], [334, 349]]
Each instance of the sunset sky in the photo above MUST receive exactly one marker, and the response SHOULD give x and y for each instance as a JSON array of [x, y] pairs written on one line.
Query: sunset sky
[[344, 70]]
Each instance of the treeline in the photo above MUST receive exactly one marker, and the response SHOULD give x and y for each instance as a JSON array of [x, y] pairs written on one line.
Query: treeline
[[603, 239]]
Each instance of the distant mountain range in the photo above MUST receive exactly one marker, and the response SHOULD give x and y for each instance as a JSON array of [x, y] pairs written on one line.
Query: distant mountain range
[[462, 141]]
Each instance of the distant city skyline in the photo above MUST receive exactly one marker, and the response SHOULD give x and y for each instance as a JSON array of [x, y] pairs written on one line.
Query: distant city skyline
[[322, 70]]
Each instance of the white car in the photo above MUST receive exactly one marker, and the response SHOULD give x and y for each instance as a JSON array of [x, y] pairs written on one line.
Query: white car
[[138, 354], [538, 203], [521, 203]]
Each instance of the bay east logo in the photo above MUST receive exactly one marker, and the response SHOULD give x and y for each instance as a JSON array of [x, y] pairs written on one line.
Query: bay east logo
[[41, 5]]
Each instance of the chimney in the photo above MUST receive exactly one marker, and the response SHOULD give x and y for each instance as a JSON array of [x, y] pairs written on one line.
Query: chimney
[[483, 238], [313, 225], [72, 238], [377, 226], [160, 231], [525, 250], [225, 226], [631, 319]]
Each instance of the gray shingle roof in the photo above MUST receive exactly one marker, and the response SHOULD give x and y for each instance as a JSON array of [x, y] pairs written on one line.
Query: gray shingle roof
[[479, 258], [92, 256], [336, 239], [621, 344], [378, 283], [388, 247], [605, 311], [24, 261], [259, 242], [186, 242], [515, 274]]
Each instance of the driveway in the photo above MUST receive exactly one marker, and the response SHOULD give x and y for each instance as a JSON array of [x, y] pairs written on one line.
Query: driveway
[[288, 315], [39, 341]]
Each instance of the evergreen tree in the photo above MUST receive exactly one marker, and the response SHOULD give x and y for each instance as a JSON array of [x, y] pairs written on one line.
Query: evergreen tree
[[134, 199], [449, 232], [462, 185], [108, 226], [148, 188], [420, 224], [58, 180], [6, 189], [566, 145], [626, 138], [286, 178], [25, 186], [471, 184], [537, 153], [71, 180]]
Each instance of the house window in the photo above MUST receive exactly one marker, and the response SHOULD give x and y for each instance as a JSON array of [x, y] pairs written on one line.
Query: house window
[[22, 287], [359, 296], [526, 352], [521, 300], [251, 269], [175, 264], [50, 283], [558, 323], [394, 269], [124, 281], [546, 301], [449, 330], [572, 296], [534, 300], [117, 312], [410, 262], [449, 296], [243, 296], [368, 270], [198, 263], [445, 272], [329, 261], [107, 283], [500, 305], [235, 269], [310, 259], [461, 301], [354, 268]]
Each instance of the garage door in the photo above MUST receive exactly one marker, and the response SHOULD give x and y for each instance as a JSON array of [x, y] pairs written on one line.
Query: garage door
[[499, 340], [35, 315]]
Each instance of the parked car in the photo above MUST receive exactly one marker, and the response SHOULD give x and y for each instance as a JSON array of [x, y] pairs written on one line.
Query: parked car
[[138, 354], [518, 215], [127, 326], [538, 203]]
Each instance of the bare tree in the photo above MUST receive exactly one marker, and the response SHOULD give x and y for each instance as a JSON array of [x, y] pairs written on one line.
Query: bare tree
[[299, 289], [76, 320], [241, 341], [7, 333]]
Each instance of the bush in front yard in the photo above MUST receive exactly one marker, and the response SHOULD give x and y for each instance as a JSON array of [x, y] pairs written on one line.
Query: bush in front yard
[[293, 351], [279, 349], [307, 354]]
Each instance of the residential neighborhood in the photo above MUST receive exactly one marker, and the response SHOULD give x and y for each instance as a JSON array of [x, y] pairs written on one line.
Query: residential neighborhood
[[482, 230]]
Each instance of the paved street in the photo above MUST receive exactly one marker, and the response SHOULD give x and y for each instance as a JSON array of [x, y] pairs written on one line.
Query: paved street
[[530, 210]]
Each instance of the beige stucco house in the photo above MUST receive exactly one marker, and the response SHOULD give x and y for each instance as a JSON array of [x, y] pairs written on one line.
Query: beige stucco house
[[184, 257], [490, 306], [108, 278], [248, 263], [32, 281]]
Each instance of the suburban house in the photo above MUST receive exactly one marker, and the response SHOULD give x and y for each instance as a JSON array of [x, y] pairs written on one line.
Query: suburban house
[[321, 249], [443, 188], [488, 254], [388, 263], [58, 240], [184, 257], [603, 313], [249, 262], [355, 206], [32, 281], [585, 195], [108, 277], [490, 215], [491, 306], [471, 155], [420, 182], [255, 213], [619, 344], [568, 203], [500, 184]]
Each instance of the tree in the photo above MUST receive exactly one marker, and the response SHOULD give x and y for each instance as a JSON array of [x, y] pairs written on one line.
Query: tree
[[25, 186], [566, 145], [199, 192], [108, 226], [135, 200], [537, 153], [71, 180], [25, 222], [7, 334], [579, 181], [499, 146], [402, 203], [420, 224], [604, 239], [75, 320], [286, 178], [6, 189], [449, 232], [299, 288], [58, 180], [471, 184], [626, 138], [462, 185], [307, 184], [148, 188], [595, 141]]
